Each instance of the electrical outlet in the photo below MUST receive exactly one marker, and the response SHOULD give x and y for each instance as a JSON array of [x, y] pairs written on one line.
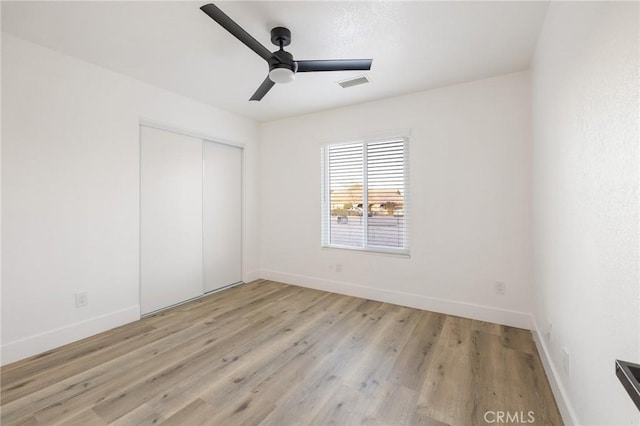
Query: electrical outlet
[[566, 362], [338, 267], [500, 287], [82, 299]]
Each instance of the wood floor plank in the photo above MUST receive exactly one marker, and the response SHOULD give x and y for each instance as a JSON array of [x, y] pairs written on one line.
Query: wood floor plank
[[225, 354], [518, 339], [393, 404], [421, 418], [93, 378], [486, 327], [328, 369], [415, 356], [387, 341], [275, 354], [282, 378], [14, 375], [196, 413], [345, 406], [180, 369], [28, 421], [219, 305], [107, 351], [85, 418], [97, 383], [445, 392], [535, 391], [369, 306], [222, 388]]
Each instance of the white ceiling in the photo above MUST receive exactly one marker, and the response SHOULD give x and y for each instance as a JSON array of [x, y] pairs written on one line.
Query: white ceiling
[[173, 45]]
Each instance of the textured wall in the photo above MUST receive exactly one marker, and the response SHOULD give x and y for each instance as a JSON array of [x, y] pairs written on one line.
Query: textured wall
[[585, 109]]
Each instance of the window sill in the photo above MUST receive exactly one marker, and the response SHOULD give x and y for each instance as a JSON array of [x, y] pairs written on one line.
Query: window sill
[[371, 250]]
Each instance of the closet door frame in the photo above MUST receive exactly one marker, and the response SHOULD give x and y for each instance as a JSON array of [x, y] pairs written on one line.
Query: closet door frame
[[205, 138]]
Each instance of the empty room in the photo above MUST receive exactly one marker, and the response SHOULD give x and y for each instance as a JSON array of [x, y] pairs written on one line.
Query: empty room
[[320, 213]]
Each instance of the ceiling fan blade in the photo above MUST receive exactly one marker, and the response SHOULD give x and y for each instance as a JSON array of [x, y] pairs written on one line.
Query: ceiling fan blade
[[266, 85], [335, 65], [236, 30]]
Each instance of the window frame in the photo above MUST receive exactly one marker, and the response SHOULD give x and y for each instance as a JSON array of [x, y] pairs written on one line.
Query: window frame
[[325, 236]]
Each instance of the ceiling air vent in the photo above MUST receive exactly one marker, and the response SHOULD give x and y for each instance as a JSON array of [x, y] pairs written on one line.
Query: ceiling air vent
[[354, 81]]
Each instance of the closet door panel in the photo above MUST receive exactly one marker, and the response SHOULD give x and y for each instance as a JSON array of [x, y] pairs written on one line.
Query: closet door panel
[[170, 218], [222, 215]]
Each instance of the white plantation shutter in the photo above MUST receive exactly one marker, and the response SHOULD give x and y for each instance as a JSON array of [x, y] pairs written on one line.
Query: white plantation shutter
[[365, 203]]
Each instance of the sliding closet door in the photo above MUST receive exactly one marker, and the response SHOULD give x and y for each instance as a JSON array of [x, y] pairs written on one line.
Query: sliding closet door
[[170, 218], [222, 215]]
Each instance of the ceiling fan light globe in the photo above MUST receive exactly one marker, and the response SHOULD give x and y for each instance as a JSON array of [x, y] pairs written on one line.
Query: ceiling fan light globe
[[281, 75]]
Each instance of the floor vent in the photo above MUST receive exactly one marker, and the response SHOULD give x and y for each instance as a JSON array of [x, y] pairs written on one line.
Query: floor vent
[[354, 81]]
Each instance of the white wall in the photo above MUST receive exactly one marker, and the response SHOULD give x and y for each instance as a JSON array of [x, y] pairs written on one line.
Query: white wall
[[70, 192], [585, 109], [470, 200]]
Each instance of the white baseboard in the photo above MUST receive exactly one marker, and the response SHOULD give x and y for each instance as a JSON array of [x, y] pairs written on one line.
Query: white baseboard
[[562, 399], [251, 276], [450, 307], [32, 345]]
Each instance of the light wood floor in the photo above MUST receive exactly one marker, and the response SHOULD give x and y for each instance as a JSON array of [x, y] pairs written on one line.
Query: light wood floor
[[276, 354]]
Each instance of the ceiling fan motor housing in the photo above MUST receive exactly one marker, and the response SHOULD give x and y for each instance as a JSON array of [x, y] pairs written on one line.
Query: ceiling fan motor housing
[[280, 35], [282, 59]]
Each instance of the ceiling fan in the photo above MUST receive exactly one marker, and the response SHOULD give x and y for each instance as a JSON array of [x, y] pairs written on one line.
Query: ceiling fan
[[282, 67]]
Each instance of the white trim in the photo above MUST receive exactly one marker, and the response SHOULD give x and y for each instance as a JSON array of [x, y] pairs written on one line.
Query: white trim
[[369, 137], [139, 220], [365, 195], [243, 215], [370, 249], [325, 222], [406, 209], [450, 307], [184, 132], [559, 392], [38, 343], [202, 177], [184, 302], [325, 214], [249, 276]]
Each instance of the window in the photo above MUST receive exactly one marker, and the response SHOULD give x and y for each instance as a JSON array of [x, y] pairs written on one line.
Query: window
[[364, 193]]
